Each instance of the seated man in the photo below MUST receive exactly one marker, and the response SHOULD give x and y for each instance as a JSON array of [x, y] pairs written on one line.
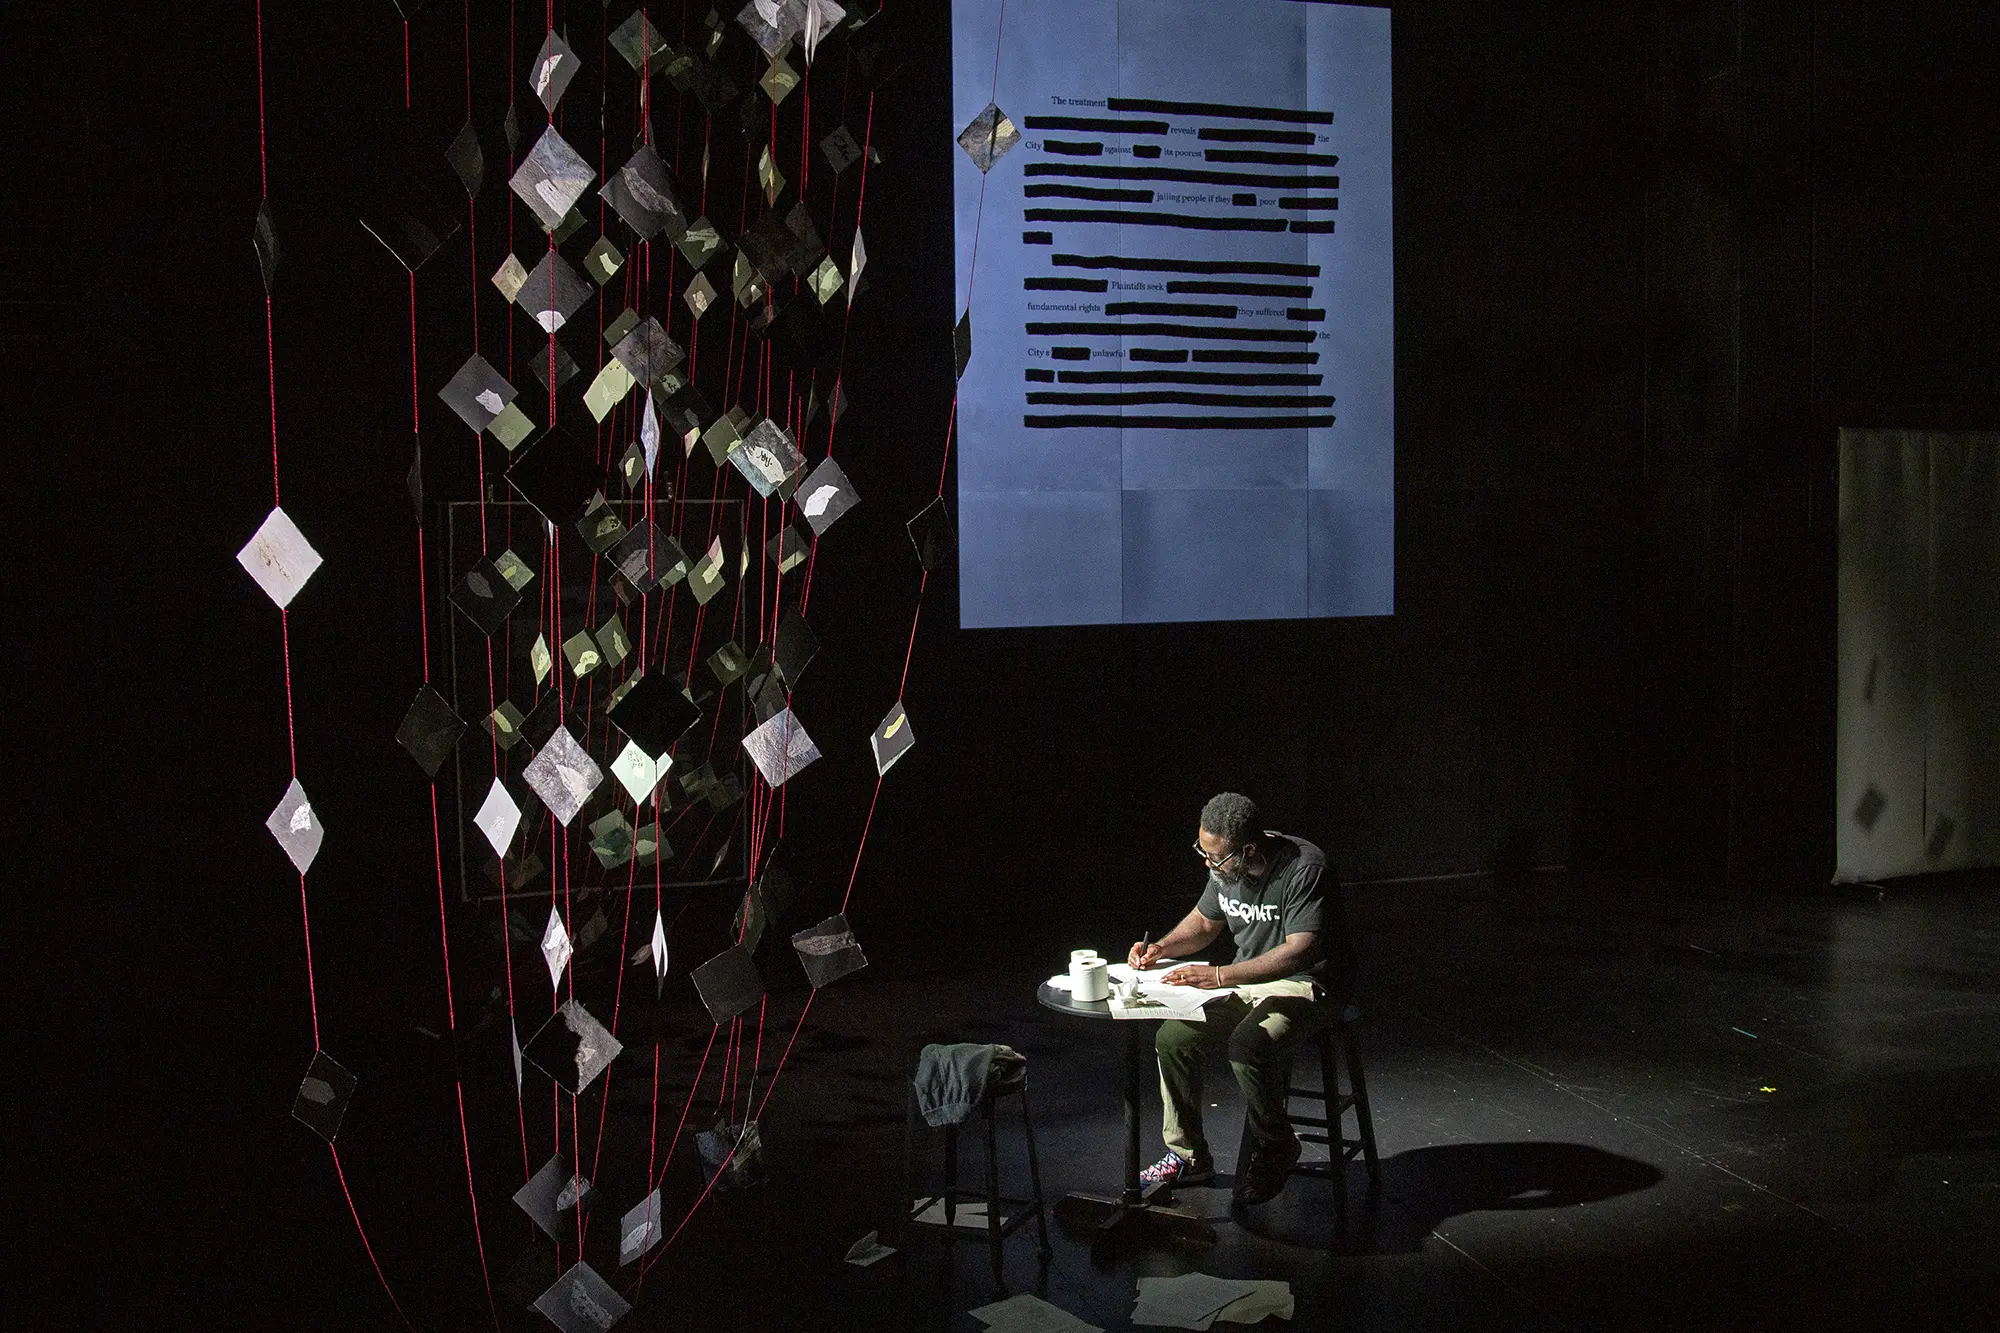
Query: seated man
[[1291, 975]]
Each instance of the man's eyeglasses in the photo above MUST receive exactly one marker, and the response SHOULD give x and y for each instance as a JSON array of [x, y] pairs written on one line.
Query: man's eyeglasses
[[1211, 862]]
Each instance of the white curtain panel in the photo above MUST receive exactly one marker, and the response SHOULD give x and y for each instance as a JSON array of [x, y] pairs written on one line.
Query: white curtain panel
[[1918, 745]]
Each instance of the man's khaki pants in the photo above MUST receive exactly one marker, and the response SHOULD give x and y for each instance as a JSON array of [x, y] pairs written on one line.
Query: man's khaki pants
[[1261, 1025]]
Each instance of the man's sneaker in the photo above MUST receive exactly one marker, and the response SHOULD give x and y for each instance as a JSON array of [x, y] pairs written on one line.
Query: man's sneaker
[[1174, 1169], [1270, 1166]]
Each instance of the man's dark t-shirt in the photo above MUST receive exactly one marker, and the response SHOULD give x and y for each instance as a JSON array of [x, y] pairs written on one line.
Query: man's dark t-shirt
[[1296, 893]]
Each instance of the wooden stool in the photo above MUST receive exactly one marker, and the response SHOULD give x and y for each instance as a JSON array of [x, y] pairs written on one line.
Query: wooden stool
[[999, 1223], [1330, 1126]]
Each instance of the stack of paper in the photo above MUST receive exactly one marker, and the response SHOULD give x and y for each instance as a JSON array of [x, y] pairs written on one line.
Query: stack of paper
[[1156, 999], [1030, 1314], [1197, 1300]]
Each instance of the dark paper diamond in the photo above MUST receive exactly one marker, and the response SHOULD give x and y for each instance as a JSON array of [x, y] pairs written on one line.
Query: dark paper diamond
[[554, 66], [647, 352], [647, 557], [788, 549], [478, 392], [961, 345], [729, 663], [429, 731], [264, 240], [600, 529], [829, 951], [639, 42], [727, 791], [539, 356], [841, 149], [728, 984], [323, 1096], [643, 196], [467, 160], [736, 1154], [484, 597], [406, 212], [559, 476], [554, 1196], [700, 243], [510, 127], [768, 697], [795, 647], [572, 1048], [582, 1302], [933, 535], [553, 292], [825, 495], [654, 713], [611, 839], [892, 739]]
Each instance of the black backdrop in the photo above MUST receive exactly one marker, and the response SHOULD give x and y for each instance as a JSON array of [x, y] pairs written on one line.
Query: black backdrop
[[1648, 259]]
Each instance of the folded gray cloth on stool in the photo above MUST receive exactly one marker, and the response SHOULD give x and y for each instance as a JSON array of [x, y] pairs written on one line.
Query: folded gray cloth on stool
[[951, 1080]]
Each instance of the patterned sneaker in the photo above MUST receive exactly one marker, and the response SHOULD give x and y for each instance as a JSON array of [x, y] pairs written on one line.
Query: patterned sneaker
[[1174, 1169]]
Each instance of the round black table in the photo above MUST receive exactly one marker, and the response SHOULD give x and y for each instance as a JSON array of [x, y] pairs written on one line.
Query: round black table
[[1131, 1215]]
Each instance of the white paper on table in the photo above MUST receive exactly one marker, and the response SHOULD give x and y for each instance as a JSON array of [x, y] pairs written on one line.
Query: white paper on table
[[1191, 1300], [1060, 981], [1030, 1314]]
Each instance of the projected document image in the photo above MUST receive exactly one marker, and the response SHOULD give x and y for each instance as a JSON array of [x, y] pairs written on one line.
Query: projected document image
[[1179, 404]]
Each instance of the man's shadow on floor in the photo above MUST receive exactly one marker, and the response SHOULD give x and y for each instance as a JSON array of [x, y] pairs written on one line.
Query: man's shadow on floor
[[1424, 1187]]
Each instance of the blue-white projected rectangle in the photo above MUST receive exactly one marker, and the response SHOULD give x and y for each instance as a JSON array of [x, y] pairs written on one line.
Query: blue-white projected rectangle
[[1180, 403]]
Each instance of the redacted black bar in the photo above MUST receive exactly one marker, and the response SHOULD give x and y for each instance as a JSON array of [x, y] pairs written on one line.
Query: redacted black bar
[[1244, 354], [1293, 422], [1243, 200], [1321, 203], [1167, 355], [1179, 377], [1097, 192], [1271, 159], [1070, 353], [1112, 328], [1148, 265], [1221, 135], [1176, 398], [1040, 376], [1312, 226], [1183, 309], [1311, 315], [1132, 217], [1095, 125], [1038, 238], [1191, 175], [1073, 147], [1084, 285], [1298, 290], [1145, 150], [1219, 111]]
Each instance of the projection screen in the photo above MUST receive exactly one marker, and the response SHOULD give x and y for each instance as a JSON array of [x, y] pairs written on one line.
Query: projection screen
[[1176, 274]]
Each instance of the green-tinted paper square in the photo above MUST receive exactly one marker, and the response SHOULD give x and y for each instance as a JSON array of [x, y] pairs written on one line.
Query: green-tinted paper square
[[512, 427], [603, 260]]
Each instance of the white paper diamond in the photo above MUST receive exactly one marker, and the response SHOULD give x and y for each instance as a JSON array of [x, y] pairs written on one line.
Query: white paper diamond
[[296, 828], [279, 557], [555, 946], [659, 945], [857, 260], [563, 776], [498, 818], [780, 747], [637, 772], [514, 1035]]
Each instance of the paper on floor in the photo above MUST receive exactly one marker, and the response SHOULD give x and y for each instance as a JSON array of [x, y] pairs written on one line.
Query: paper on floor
[[1191, 1300], [1030, 1314]]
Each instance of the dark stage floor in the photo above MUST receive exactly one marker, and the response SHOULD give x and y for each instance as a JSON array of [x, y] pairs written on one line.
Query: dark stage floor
[[1599, 1106]]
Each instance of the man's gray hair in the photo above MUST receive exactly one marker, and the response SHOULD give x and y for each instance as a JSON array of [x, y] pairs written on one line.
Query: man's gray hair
[[1232, 817]]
